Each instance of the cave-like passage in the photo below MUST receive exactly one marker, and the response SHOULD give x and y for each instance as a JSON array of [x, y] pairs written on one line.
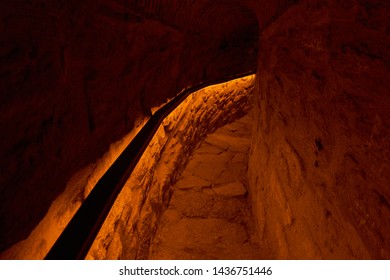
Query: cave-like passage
[[80, 233], [208, 216]]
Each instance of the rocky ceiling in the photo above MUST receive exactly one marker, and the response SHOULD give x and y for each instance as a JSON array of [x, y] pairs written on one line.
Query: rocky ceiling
[[209, 16], [200, 16]]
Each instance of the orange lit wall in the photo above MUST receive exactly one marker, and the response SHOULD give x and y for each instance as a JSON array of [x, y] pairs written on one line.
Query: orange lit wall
[[319, 168], [127, 232], [74, 78], [131, 222]]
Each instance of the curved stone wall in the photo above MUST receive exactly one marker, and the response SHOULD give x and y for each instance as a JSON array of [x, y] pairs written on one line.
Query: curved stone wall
[[319, 168], [132, 220]]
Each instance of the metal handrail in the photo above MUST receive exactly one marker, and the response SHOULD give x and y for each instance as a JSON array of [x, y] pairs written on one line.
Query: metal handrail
[[78, 236]]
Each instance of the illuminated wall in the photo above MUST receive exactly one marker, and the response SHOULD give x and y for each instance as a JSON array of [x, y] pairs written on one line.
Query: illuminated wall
[[132, 221], [75, 76], [319, 168]]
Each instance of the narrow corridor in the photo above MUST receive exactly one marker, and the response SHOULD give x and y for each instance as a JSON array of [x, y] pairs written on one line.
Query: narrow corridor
[[208, 216]]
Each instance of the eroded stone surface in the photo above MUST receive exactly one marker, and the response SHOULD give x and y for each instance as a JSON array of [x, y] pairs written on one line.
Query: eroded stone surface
[[149, 188], [129, 226], [319, 167], [66, 96], [231, 190], [215, 221], [191, 181]]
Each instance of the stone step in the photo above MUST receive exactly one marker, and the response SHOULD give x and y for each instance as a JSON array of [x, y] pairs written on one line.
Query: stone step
[[208, 215]]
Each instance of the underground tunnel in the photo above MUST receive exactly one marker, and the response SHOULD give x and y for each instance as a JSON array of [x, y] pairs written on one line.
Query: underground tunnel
[[276, 147]]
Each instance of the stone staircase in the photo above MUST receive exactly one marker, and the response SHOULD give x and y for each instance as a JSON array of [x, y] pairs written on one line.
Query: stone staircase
[[209, 216]]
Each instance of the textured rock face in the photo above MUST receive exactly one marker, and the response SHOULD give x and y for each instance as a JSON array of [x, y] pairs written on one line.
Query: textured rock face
[[132, 221], [75, 75], [319, 168], [211, 219]]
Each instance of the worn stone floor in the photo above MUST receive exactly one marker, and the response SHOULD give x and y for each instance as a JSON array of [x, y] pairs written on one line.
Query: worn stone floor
[[208, 216]]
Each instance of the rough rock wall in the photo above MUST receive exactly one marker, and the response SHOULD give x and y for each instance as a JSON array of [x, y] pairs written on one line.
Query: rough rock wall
[[268, 11], [127, 232], [130, 224], [319, 167], [63, 208], [74, 76]]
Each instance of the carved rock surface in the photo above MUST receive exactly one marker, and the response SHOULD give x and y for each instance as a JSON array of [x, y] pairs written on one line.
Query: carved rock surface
[[75, 76], [319, 166], [211, 222], [129, 226]]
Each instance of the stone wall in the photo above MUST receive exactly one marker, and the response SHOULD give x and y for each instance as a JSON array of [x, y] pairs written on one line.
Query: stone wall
[[74, 77], [131, 222], [319, 168], [127, 232]]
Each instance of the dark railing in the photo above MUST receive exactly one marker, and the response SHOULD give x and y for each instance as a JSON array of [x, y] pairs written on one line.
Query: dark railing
[[78, 236]]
